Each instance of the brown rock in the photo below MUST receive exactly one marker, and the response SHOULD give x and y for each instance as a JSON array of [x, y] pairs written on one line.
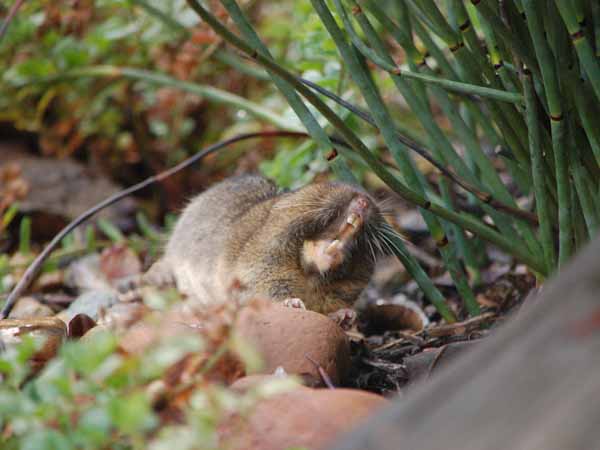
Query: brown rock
[[118, 262], [290, 338], [283, 337], [252, 381], [212, 325], [79, 326], [397, 313], [58, 190], [149, 332], [121, 316], [49, 281], [302, 417]]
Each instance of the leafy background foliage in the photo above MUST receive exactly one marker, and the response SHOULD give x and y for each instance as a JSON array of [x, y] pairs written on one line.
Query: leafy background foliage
[[133, 128]]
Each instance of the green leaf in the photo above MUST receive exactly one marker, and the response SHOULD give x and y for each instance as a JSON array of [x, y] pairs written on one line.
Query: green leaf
[[45, 439], [132, 413], [112, 232], [25, 236], [85, 357]]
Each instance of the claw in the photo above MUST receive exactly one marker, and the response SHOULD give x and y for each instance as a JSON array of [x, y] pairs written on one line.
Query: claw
[[294, 303], [346, 318]]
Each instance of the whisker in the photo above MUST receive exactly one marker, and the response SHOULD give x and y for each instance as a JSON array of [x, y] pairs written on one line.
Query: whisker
[[386, 203], [370, 244], [388, 244], [377, 240]]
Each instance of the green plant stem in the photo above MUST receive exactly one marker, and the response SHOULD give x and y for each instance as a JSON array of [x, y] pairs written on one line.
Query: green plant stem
[[25, 236], [579, 223], [413, 178], [586, 198], [420, 277], [467, 135], [557, 123], [588, 113], [512, 39], [588, 60], [454, 86], [418, 147], [208, 92], [313, 127], [460, 238], [541, 195], [510, 123], [441, 60], [462, 219]]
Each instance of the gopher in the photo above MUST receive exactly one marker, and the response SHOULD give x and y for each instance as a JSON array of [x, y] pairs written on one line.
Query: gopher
[[317, 244]]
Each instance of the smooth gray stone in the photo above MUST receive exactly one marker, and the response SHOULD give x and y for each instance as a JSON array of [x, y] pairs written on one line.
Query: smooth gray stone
[[90, 303]]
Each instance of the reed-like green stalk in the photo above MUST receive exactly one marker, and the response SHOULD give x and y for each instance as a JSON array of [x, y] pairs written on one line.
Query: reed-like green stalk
[[587, 58], [395, 244], [586, 197], [543, 125], [557, 123], [588, 113], [466, 134], [341, 169], [25, 236], [208, 92], [309, 121], [514, 39], [596, 19], [579, 224], [541, 194], [510, 124], [464, 220], [385, 124]]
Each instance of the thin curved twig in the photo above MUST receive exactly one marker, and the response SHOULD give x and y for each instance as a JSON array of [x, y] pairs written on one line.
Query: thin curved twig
[[479, 194], [11, 14], [36, 265]]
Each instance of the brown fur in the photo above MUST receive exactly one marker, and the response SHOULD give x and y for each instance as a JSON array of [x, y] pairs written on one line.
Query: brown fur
[[242, 230]]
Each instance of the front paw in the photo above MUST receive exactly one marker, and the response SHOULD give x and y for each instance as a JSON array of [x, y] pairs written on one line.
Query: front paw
[[293, 303], [345, 318]]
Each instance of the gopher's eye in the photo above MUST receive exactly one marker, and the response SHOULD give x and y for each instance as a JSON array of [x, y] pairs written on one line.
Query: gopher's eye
[[329, 215]]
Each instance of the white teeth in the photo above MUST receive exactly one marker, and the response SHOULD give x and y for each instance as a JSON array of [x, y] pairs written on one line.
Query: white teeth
[[353, 220], [332, 247]]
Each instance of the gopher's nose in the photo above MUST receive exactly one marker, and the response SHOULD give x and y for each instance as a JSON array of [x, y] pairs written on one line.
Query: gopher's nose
[[359, 205]]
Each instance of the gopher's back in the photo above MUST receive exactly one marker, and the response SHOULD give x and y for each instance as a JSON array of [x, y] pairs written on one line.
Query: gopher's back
[[193, 255]]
